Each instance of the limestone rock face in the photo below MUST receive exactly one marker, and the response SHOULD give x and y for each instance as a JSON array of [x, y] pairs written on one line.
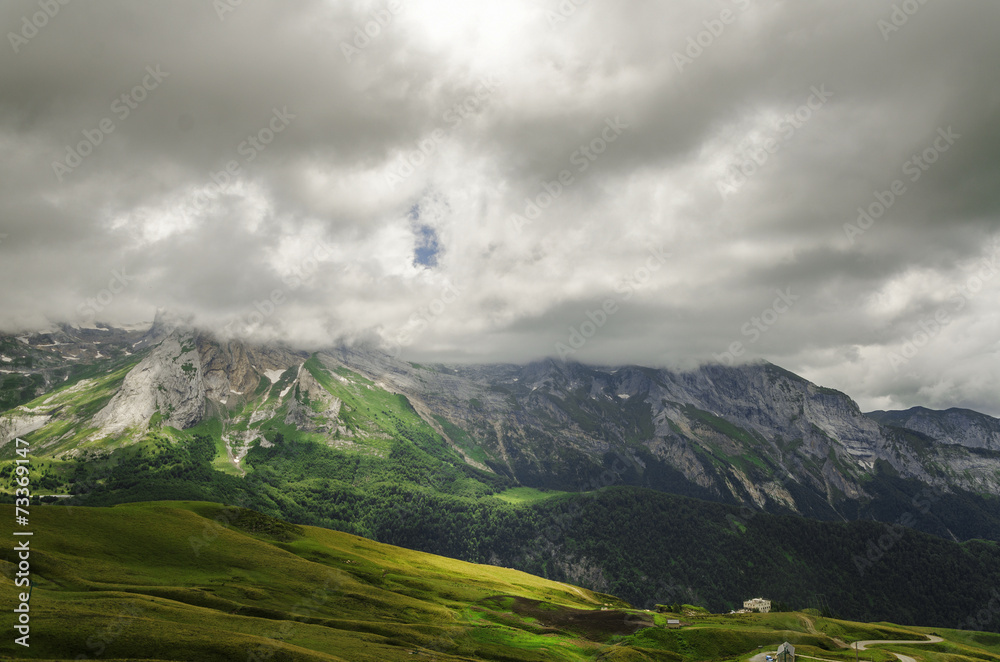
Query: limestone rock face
[[234, 368], [168, 381], [187, 375], [19, 422], [312, 408], [227, 369], [952, 426], [751, 434], [755, 434]]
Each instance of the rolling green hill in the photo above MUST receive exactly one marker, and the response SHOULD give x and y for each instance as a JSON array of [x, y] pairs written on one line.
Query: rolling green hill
[[201, 581], [645, 546], [348, 443]]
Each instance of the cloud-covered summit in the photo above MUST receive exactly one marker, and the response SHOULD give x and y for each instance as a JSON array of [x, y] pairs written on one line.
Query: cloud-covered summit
[[636, 181]]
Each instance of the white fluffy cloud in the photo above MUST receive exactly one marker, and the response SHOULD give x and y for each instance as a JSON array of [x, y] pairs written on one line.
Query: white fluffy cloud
[[652, 172]]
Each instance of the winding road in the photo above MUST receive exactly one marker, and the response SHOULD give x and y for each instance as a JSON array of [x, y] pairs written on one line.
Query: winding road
[[931, 639], [863, 645]]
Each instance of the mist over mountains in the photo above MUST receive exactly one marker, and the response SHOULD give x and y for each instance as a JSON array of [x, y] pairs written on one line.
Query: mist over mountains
[[753, 434]]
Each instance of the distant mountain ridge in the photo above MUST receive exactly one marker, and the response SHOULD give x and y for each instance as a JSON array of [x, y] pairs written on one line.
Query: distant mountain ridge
[[964, 427], [560, 469], [754, 434]]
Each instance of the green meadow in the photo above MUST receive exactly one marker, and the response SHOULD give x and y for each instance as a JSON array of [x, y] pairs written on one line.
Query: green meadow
[[201, 581]]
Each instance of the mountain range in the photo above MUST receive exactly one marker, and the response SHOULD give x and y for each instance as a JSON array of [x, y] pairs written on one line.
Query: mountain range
[[355, 439], [754, 434]]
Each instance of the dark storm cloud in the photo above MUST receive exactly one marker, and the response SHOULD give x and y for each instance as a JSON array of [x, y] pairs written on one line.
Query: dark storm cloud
[[552, 152]]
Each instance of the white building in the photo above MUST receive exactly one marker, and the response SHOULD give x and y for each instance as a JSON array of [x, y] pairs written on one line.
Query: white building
[[757, 604]]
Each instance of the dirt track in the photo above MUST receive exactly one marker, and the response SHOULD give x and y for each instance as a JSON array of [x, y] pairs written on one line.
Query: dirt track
[[863, 645]]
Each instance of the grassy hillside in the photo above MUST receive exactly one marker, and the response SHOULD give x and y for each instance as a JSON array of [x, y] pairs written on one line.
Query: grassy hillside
[[200, 581], [381, 471], [645, 546]]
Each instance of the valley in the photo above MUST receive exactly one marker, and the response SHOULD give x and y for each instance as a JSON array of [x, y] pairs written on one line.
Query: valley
[[195, 580], [657, 487]]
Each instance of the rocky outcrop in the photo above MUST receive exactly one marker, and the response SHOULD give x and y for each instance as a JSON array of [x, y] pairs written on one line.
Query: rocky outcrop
[[312, 408], [751, 434], [168, 382], [756, 434], [186, 375], [19, 422], [235, 368], [952, 426]]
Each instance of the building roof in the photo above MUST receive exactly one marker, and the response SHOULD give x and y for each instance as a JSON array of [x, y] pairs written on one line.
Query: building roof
[[786, 647]]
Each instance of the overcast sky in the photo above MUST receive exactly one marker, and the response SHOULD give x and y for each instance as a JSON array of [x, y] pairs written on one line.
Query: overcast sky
[[612, 182]]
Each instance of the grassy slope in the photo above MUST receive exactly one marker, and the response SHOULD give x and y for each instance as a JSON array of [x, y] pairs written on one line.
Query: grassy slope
[[520, 495], [189, 580], [72, 405], [180, 586]]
